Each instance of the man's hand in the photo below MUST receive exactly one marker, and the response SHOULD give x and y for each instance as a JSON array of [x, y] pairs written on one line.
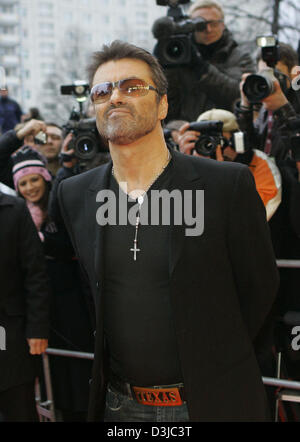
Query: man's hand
[[275, 100], [65, 151], [244, 100], [33, 127], [37, 346], [187, 139]]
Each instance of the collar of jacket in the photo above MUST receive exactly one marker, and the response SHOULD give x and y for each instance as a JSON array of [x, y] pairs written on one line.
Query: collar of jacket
[[221, 49]]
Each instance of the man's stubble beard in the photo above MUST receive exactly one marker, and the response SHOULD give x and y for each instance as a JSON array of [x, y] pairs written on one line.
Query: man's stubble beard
[[127, 128]]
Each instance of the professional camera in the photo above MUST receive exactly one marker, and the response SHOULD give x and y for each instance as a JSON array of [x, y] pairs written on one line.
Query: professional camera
[[174, 34], [259, 86], [86, 141], [211, 137]]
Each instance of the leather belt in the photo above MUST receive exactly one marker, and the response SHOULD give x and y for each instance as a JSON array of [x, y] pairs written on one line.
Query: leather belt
[[157, 396]]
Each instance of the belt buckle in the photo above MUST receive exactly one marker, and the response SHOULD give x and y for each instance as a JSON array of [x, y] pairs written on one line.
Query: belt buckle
[[158, 397]]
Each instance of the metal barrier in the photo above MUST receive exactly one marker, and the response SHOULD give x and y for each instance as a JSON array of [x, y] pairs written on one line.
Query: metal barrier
[[46, 409], [288, 263]]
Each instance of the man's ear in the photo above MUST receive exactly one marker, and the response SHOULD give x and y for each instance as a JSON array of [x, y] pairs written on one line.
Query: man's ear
[[163, 107]]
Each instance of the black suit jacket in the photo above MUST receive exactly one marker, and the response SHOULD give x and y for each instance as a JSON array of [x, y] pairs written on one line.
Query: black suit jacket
[[222, 285], [24, 292]]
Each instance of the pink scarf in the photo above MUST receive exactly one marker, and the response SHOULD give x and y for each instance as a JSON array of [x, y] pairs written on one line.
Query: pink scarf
[[37, 214]]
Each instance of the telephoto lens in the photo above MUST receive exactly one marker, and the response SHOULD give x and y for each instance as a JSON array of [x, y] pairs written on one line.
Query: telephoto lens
[[257, 87]]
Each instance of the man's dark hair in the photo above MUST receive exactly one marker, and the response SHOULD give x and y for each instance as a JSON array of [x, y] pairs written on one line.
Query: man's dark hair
[[287, 55], [118, 50]]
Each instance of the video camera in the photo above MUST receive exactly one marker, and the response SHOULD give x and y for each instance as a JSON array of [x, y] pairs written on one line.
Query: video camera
[[86, 140], [259, 86], [211, 136], [174, 34]]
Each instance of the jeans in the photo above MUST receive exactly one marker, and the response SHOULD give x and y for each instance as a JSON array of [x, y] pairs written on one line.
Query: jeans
[[120, 408]]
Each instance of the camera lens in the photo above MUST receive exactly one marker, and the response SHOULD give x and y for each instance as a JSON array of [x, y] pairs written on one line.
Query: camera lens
[[257, 87], [174, 50], [85, 147], [206, 145]]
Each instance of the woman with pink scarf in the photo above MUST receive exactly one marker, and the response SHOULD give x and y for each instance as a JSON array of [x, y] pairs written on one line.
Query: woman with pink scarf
[[32, 181]]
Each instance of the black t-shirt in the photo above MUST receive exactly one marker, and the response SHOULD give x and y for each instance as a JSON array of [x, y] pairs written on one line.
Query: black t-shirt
[[138, 323]]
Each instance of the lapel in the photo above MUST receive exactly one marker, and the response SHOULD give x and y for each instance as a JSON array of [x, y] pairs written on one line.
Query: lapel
[[186, 176], [96, 231]]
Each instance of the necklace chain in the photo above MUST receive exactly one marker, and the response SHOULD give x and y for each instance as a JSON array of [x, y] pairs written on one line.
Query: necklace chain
[[140, 200]]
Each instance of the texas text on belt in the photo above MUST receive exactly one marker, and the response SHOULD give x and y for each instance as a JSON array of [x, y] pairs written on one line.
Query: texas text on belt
[[159, 396]]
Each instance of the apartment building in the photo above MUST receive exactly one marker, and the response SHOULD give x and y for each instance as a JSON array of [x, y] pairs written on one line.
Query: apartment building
[[10, 62], [35, 33], [49, 40]]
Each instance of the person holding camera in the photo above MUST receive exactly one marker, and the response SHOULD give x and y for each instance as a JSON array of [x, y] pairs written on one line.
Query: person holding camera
[[44, 137], [230, 148], [212, 77], [165, 323], [13, 140], [275, 131], [269, 131]]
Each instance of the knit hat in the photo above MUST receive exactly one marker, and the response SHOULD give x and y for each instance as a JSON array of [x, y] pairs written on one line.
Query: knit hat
[[229, 120], [28, 161]]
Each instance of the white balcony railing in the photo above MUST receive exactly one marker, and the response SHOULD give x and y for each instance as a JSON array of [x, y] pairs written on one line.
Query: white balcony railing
[[12, 81], [9, 61], [8, 40], [8, 19]]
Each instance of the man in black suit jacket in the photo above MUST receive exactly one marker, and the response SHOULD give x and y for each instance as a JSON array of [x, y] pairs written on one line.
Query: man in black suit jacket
[[24, 304], [178, 302]]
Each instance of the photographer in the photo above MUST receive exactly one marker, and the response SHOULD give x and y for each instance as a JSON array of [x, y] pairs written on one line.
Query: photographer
[[273, 131], [51, 147], [266, 174], [211, 79], [11, 141], [270, 132]]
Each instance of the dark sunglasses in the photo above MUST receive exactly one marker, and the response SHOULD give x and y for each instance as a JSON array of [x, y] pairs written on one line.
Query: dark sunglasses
[[131, 87]]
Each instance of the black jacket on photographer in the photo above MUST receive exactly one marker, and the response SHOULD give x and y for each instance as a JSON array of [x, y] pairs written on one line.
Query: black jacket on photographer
[[257, 130], [280, 139], [212, 79]]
